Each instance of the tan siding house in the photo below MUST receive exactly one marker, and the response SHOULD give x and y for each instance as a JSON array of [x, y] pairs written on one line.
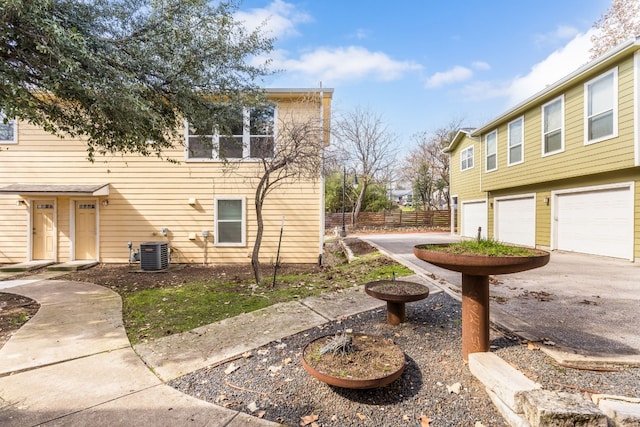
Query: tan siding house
[[567, 171], [56, 205]]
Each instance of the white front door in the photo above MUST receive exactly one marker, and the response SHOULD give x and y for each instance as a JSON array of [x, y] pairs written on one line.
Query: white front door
[[43, 233], [85, 230]]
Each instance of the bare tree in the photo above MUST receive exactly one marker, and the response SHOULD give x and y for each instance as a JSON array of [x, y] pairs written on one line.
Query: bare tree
[[367, 145], [427, 167], [619, 23], [294, 154]]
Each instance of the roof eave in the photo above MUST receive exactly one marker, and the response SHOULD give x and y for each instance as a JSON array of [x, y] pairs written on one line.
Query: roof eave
[[630, 45]]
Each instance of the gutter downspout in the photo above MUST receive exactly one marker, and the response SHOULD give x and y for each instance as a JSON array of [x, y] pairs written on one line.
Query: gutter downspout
[[322, 183]]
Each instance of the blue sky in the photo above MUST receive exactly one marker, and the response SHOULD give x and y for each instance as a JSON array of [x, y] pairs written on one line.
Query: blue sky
[[421, 64]]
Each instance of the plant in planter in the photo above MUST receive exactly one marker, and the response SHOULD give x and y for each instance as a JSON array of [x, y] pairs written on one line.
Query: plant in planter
[[477, 260], [357, 361]]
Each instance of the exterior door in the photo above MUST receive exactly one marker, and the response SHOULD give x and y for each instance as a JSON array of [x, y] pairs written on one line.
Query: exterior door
[[515, 221], [598, 222], [474, 215], [43, 230], [86, 230]]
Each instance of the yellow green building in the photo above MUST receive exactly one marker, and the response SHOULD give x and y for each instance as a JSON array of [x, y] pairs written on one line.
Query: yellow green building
[[561, 170]]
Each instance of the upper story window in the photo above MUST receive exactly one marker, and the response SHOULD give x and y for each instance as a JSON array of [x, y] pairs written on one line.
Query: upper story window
[[466, 158], [601, 107], [516, 142], [8, 130], [491, 148], [250, 135], [553, 126]]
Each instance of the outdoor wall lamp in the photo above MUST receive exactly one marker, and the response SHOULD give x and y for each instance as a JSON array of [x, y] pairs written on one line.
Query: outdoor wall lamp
[[21, 203], [105, 202], [546, 201]]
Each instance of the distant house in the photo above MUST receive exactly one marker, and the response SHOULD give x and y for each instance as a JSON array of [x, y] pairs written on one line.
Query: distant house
[[560, 170], [401, 197], [55, 205]]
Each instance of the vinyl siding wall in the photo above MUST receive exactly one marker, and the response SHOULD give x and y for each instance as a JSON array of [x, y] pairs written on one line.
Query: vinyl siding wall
[[577, 159], [147, 194]]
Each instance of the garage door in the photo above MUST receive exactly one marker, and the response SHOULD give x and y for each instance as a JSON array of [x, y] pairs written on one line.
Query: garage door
[[596, 222], [515, 221], [474, 215]]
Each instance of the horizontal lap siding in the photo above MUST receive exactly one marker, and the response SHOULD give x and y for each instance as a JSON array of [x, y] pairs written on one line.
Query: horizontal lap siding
[[467, 184], [147, 194], [577, 159]]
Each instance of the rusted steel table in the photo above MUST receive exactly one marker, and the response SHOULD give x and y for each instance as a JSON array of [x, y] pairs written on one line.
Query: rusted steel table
[[396, 293], [476, 270]]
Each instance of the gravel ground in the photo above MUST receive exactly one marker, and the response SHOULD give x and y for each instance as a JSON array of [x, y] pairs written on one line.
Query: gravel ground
[[270, 382]]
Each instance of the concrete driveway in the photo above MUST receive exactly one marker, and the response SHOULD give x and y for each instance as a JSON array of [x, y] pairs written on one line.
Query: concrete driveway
[[585, 306]]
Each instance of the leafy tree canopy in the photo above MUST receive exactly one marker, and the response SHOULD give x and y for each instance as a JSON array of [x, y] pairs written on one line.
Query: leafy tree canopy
[[121, 73]]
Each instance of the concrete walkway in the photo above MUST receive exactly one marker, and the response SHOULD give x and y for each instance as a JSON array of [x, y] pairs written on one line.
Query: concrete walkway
[[72, 365]]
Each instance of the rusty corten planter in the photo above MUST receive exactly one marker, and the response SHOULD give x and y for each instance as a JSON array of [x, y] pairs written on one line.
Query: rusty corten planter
[[396, 293], [476, 270], [345, 381]]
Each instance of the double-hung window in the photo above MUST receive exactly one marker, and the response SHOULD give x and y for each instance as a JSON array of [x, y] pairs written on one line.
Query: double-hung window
[[601, 107], [230, 219], [515, 137], [8, 131], [553, 126], [249, 134], [466, 158], [491, 148]]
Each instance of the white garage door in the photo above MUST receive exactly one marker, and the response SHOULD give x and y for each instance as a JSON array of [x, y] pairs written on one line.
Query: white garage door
[[474, 215], [515, 221], [596, 222]]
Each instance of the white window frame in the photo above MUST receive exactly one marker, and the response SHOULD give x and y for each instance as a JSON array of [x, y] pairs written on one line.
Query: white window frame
[[465, 155], [12, 123], [495, 151], [545, 132], [614, 109], [521, 144], [246, 140], [243, 225]]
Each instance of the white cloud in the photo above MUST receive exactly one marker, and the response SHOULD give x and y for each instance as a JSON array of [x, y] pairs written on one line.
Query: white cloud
[[344, 63], [482, 90], [560, 34], [453, 75], [553, 68], [481, 65], [279, 19]]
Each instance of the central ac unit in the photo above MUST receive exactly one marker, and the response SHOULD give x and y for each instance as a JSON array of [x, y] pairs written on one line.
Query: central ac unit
[[154, 256]]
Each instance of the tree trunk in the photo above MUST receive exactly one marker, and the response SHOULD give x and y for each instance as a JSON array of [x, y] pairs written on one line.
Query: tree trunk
[[255, 255], [358, 206]]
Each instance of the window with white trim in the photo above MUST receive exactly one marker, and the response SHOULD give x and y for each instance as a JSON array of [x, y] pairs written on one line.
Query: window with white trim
[[516, 142], [8, 130], [250, 135], [601, 107], [553, 126], [491, 148], [230, 221], [466, 158]]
